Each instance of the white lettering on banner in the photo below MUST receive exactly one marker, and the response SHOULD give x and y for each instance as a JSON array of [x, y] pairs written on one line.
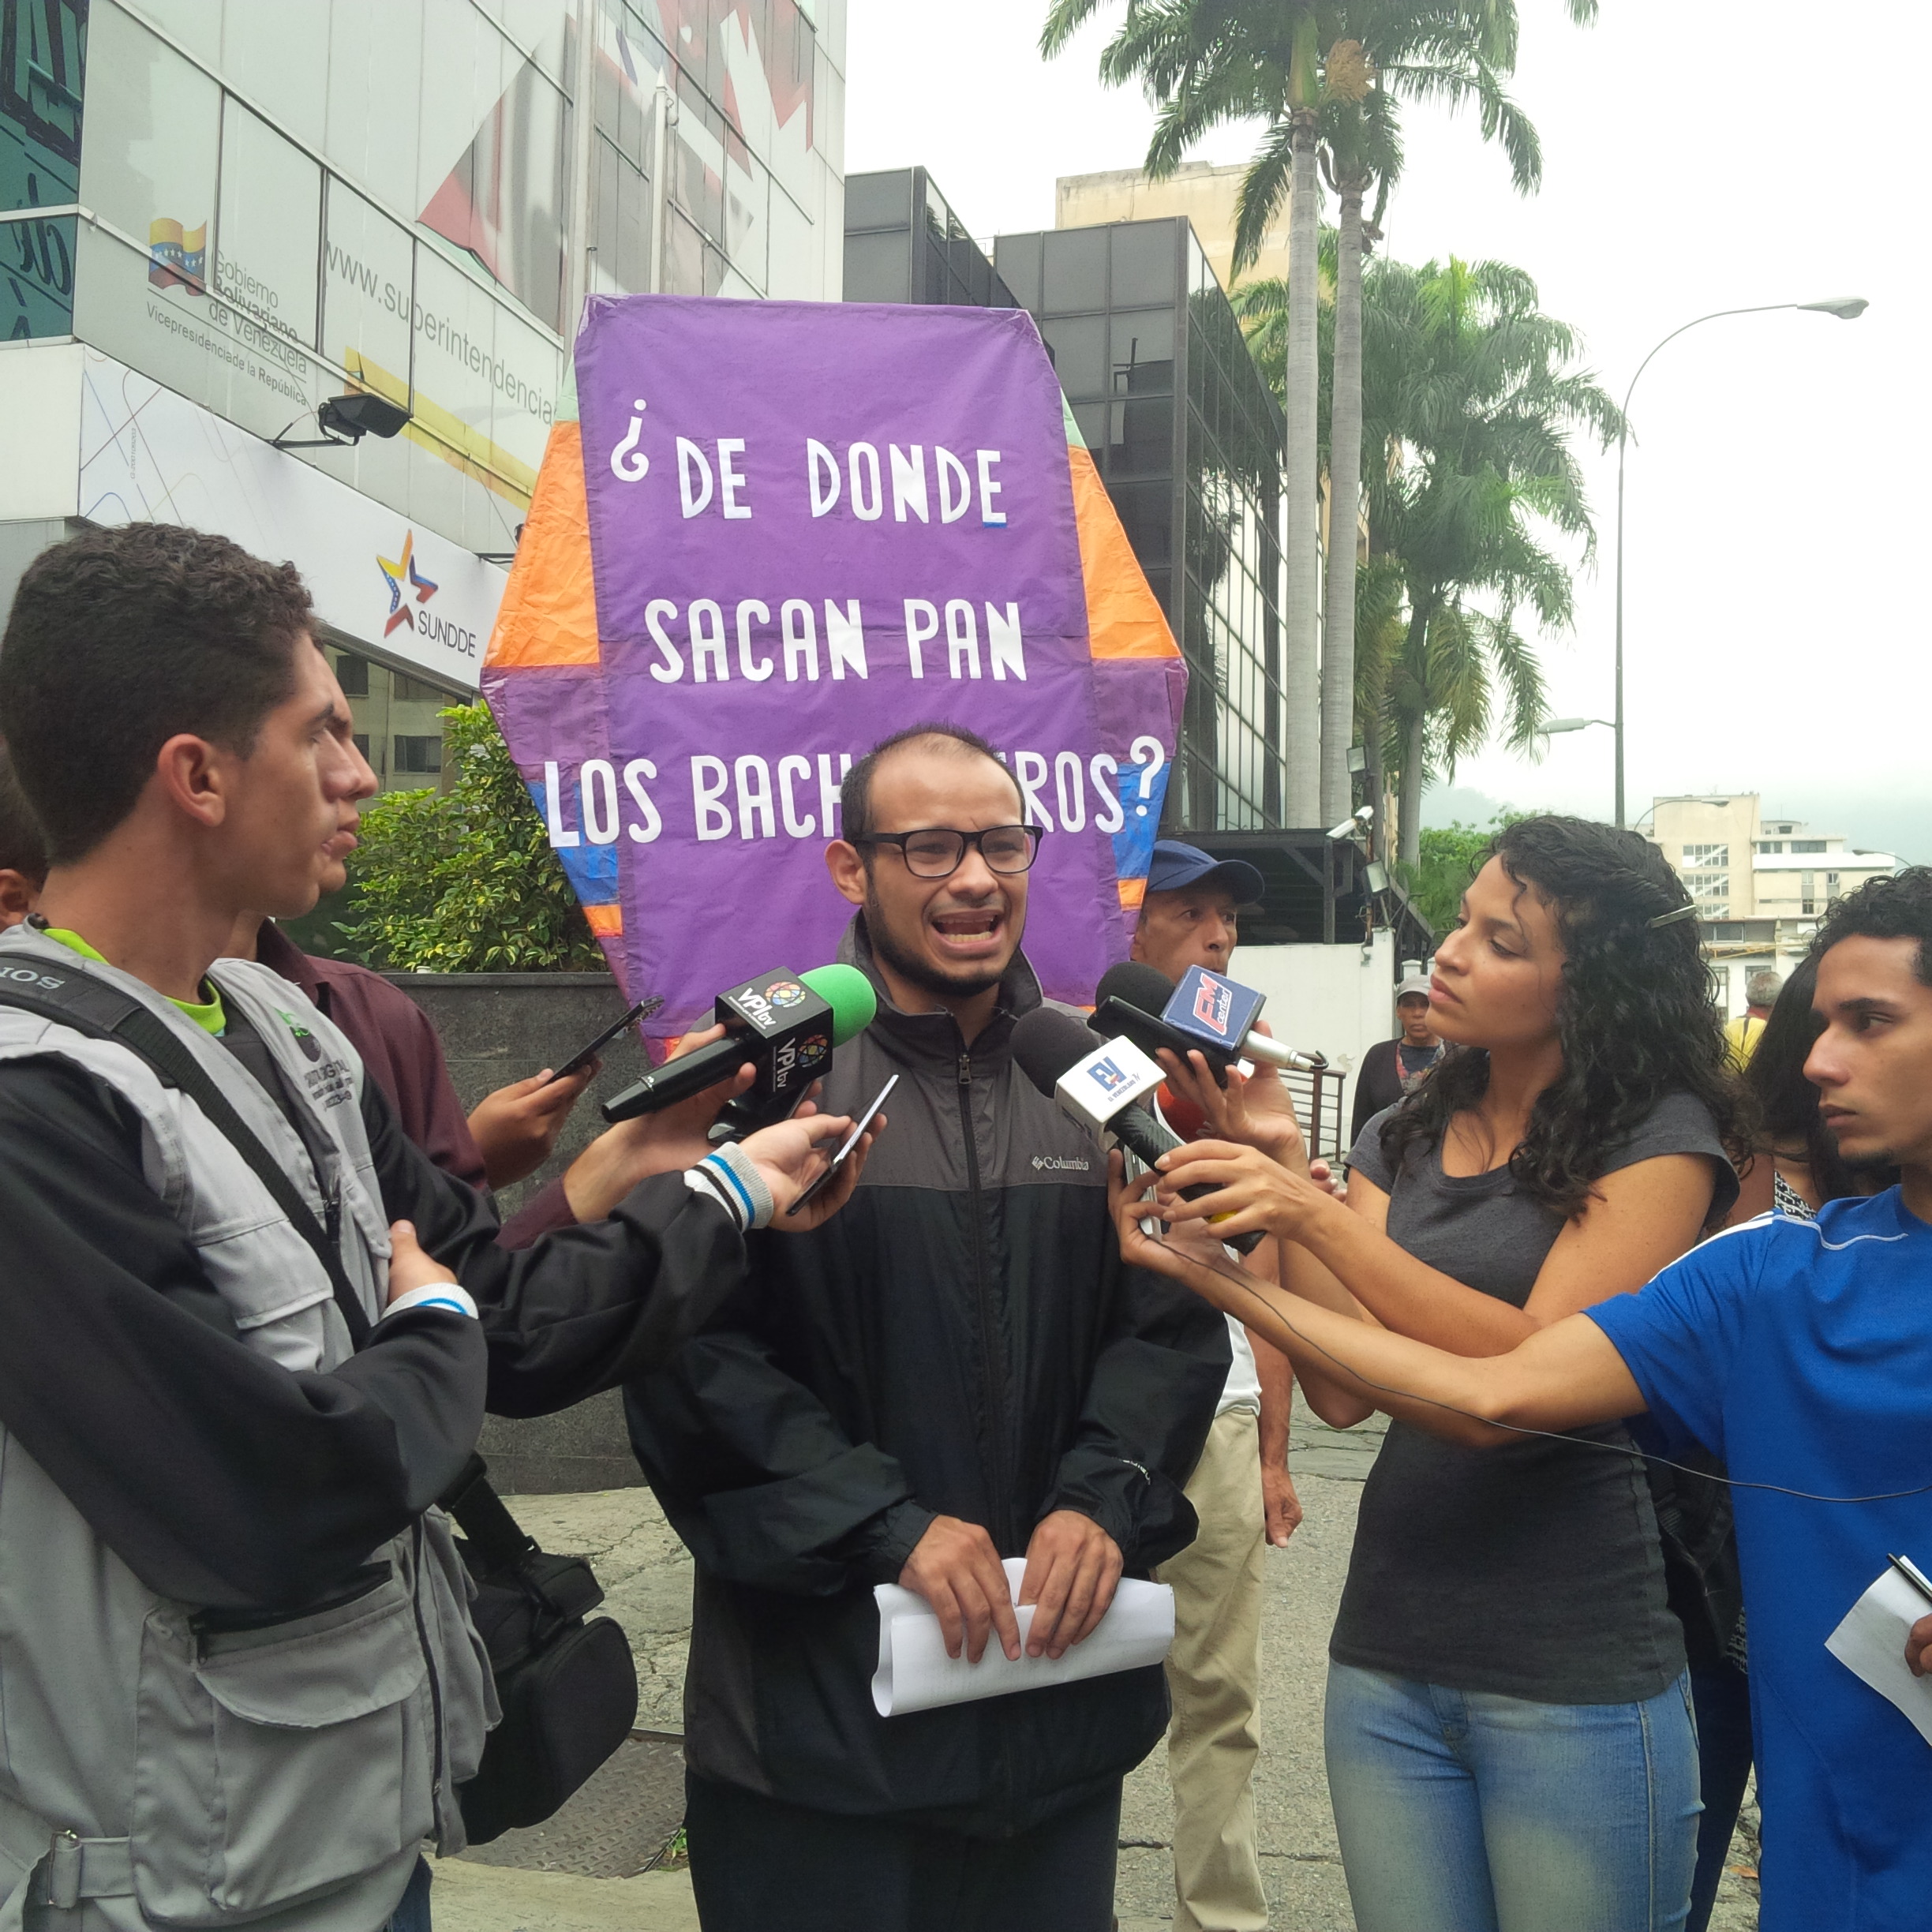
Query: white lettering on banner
[[951, 471], [988, 489], [1110, 818], [962, 638], [860, 479], [908, 479], [1072, 803], [672, 668], [801, 639], [628, 463], [635, 773], [730, 481], [845, 638], [691, 459], [759, 797], [822, 471], [1030, 774], [598, 791], [755, 797], [709, 779], [757, 670], [795, 827], [867, 504], [921, 622], [828, 803], [706, 624], [553, 811], [1004, 644]]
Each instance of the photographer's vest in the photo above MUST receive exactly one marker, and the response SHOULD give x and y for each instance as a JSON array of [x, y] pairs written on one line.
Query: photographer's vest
[[278, 1777]]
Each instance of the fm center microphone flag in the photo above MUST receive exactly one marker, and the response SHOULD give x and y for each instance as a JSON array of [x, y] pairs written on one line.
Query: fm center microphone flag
[[767, 534]]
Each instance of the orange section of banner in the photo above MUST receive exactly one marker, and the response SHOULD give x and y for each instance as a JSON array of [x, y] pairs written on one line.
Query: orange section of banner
[[1123, 619], [549, 615]]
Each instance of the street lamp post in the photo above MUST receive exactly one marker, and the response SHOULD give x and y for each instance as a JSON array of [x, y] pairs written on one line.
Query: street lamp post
[[1846, 309]]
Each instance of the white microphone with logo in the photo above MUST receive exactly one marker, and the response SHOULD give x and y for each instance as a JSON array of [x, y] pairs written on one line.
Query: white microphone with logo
[[1102, 1087]]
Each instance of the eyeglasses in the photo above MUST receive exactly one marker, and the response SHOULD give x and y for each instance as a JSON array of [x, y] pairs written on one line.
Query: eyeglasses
[[936, 851]]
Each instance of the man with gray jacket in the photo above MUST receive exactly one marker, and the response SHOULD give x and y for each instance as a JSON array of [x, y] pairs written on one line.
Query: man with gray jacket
[[238, 1683]]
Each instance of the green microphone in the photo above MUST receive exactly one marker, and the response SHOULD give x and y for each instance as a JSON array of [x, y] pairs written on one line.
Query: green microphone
[[786, 1024]]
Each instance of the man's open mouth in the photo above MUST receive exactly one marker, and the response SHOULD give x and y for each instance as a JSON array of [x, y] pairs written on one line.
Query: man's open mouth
[[970, 931]]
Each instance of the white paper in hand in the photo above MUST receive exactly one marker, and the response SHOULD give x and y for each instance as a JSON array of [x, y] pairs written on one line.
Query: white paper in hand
[[915, 1674], [1870, 1643]]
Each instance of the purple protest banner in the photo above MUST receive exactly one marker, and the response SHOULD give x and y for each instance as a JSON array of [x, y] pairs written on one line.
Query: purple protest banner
[[810, 525]]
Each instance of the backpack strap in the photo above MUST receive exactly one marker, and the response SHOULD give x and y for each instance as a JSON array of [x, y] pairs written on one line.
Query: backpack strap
[[79, 1001]]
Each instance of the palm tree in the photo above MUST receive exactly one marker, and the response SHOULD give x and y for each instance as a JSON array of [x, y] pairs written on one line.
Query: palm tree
[[1207, 61], [1320, 74], [1469, 402]]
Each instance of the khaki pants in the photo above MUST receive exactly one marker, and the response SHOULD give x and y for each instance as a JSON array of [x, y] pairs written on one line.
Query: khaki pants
[[1213, 1676]]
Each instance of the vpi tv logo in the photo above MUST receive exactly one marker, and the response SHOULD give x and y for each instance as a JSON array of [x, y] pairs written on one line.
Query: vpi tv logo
[[1109, 1076], [1214, 1000]]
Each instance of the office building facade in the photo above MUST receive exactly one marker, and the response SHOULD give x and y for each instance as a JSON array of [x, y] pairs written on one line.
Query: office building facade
[[221, 215], [904, 243], [1188, 441]]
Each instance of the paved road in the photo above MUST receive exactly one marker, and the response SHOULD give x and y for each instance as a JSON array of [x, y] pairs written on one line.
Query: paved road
[[649, 1578]]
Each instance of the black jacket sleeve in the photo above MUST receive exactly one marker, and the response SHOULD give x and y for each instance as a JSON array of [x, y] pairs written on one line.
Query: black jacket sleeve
[[1150, 1401], [1378, 1084], [757, 1478], [586, 1306], [219, 1477]]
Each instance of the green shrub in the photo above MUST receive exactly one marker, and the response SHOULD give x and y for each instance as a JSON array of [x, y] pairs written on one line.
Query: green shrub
[[465, 880], [1450, 858]]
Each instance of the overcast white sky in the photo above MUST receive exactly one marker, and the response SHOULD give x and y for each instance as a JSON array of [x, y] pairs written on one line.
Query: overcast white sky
[[1699, 154]]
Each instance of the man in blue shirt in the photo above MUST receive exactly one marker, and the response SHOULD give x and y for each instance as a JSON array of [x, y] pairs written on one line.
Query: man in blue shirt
[[1802, 1354]]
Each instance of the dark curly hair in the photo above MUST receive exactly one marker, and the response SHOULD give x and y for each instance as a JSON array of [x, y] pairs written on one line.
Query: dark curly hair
[[1634, 1017], [1897, 907], [120, 638]]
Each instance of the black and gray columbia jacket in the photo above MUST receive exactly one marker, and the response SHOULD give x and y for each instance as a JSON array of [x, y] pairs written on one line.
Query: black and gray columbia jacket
[[961, 1340]]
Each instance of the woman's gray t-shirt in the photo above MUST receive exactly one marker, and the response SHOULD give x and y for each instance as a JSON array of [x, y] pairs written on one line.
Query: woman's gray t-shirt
[[1531, 1570]]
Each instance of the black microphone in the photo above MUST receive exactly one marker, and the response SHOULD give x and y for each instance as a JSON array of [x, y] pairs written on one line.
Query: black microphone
[[1130, 997], [785, 1024], [1102, 1087]]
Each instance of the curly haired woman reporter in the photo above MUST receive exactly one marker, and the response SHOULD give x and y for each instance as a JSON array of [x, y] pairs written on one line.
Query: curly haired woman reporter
[[1509, 1742]]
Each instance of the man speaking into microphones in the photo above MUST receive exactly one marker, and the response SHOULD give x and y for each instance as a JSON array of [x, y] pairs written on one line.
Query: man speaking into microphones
[[955, 1371]]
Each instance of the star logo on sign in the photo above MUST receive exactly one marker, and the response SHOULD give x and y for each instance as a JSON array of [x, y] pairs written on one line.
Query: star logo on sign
[[402, 575]]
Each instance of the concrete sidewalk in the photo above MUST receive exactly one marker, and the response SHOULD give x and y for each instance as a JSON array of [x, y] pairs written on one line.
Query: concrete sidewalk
[[648, 1575]]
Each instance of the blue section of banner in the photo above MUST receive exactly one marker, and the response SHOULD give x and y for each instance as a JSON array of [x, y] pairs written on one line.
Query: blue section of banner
[[1141, 799], [591, 870]]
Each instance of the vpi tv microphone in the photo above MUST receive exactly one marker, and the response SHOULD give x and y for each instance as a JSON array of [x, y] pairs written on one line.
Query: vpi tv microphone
[[785, 1024], [1102, 1087], [1219, 1013]]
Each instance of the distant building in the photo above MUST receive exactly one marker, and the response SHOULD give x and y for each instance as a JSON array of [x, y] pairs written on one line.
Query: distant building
[[1760, 884], [904, 244], [1207, 196]]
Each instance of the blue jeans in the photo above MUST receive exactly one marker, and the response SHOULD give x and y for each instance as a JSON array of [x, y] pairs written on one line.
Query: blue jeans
[[1463, 1811], [412, 1912]]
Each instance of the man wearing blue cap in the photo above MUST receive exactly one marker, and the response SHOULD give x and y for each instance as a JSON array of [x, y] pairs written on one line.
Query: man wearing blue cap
[[1240, 1489]]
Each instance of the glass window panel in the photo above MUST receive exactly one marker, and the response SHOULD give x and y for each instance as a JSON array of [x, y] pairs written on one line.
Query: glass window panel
[[154, 136], [1146, 513], [1144, 261], [876, 269], [934, 287], [1075, 270], [683, 269], [366, 293], [1142, 342], [273, 54], [747, 210], [1079, 346], [266, 256], [793, 272], [1092, 419], [879, 200], [1017, 257], [40, 94], [1142, 440]]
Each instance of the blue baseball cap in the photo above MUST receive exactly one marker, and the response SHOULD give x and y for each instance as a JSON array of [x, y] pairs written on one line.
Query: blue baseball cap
[[1174, 865]]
